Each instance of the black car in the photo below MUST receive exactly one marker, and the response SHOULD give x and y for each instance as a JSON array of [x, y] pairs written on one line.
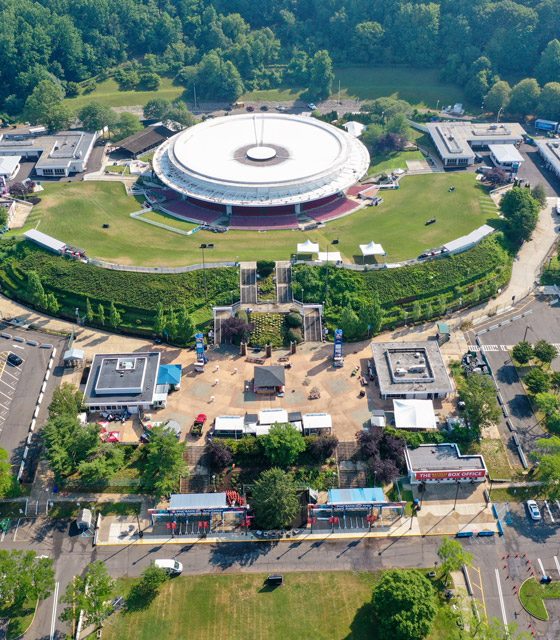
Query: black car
[[14, 360]]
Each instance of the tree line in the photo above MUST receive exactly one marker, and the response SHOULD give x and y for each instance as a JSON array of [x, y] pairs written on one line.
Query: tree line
[[227, 46]]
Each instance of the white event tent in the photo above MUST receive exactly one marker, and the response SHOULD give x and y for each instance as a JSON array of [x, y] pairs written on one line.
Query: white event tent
[[307, 247], [372, 249], [414, 414]]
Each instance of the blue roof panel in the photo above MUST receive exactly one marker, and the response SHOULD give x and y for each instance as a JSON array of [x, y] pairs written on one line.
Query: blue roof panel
[[356, 496], [169, 374]]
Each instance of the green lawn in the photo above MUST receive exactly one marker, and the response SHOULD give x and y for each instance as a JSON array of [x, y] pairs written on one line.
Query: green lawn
[[281, 94], [20, 619], [75, 212], [519, 494], [108, 92], [420, 87], [322, 606], [532, 596], [383, 163], [495, 456]]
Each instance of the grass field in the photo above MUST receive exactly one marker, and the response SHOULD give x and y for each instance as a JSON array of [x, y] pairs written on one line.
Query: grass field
[[420, 87], [75, 212], [107, 92], [322, 606], [495, 456], [383, 163]]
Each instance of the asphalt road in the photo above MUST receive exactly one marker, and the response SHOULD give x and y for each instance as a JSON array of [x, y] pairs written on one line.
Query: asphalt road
[[494, 574]]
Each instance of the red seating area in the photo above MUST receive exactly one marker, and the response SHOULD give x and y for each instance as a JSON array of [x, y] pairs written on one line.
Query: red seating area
[[252, 223], [332, 210], [192, 212]]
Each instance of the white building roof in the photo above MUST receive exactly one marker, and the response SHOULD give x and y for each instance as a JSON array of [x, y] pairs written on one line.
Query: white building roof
[[264, 159], [372, 249], [414, 414], [270, 416], [456, 139], [8, 164], [505, 153], [44, 240], [550, 150], [229, 423], [316, 421], [464, 242]]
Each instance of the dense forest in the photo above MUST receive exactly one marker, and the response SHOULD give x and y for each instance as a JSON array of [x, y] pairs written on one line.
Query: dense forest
[[227, 46]]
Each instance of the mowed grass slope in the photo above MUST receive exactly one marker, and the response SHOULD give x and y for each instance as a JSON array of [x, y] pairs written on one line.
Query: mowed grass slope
[[322, 606], [108, 93], [75, 212]]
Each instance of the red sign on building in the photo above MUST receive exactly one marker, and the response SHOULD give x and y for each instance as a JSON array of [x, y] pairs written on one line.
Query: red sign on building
[[465, 474]]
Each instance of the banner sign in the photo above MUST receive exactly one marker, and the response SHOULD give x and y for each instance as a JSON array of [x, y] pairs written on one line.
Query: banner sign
[[450, 475]]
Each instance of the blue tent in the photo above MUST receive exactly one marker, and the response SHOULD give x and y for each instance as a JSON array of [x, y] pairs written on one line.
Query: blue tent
[[169, 374]]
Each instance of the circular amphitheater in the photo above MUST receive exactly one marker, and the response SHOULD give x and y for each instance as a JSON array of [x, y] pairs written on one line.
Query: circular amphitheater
[[260, 171]]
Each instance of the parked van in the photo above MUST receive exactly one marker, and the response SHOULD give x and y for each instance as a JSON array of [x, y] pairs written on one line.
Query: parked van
[[173, 567]]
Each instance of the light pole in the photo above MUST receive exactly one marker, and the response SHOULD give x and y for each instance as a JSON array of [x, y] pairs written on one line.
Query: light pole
[[456, 495], [437, 105], [499, 114], [202, 247]]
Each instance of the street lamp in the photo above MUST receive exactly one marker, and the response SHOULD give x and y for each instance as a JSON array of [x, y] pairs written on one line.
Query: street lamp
[[437, 104], [499, 114]]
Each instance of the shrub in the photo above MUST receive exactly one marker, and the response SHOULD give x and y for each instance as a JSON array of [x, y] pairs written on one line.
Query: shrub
[[537, 380], [294, 335], [265, 268], [322, 447], [294, 319], [219, 455]]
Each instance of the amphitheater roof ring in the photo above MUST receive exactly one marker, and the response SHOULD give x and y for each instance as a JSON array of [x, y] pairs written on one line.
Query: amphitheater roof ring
[[261, 159]]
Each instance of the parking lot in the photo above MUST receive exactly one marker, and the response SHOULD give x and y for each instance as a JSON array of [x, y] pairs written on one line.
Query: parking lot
[[21, 385]]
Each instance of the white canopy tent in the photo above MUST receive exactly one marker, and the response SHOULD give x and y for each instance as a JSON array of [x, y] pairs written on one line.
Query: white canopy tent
[[372, 249], [354, 128], [329, 256], [307, 247], [414, 414]]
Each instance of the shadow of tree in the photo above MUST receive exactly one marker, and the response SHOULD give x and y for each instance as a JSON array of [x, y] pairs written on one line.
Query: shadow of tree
[[361, 628], [237, 554]]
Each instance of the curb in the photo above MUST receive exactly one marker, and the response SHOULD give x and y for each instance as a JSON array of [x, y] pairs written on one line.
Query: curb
[[527, 610]]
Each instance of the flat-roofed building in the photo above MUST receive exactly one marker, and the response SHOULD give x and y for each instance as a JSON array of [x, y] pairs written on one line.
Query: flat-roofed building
[[57, 154], [124, 381], [443, 463], [411, 370], [457, 142], [550, 153], [506, 156]]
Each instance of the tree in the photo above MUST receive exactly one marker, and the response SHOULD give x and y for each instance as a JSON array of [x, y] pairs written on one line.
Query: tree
[[275, 500], [45, 106], [90, 594], [545, 352], [19, 190], [537, 380], [351, 325], [51, 304], [101, 314], [521, 211], [481, 406], [219, 455], [146, 589], [539, 193], [453, 556], [367, 41], [3, 218], [372, 315], [35, 290], [283, 444], [149, 81], [549, 101], [100, 467], [498, 97], [524, 97], [67, 400], [321, 75], [114, 316], [6, 477], [90, 315], [547, 402], [217, 78], [68, 443], [549, 465], [95, 116], [548, 69], [157, 109], [404, 605], [322, 447], [185, 325], [126, 125], [522, 352], [23, 575], [160, 320], [235, 328], [164, 463]]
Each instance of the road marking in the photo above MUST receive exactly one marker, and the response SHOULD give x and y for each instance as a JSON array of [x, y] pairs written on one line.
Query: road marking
[[4, 407], [541, 566], [17, 346], [11, 375], [502, 604], [547, 507], [479, 585], [10, 397], [8, 385], [557, 564], [16, 529], [53, 618]]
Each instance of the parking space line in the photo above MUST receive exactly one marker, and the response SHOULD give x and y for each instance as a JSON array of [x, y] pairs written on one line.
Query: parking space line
[[557, 564], [543, 572], [8, 385], [17, 346], [11, 375], [501, 596], [16, 529], [5, 395], [55, 605]]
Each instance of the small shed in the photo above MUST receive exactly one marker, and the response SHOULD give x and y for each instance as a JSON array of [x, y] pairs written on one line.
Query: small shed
[[443, 332], [272, 416], [85, 520], [170, 375], [316, 423], [73, 357], [354, 128], [269, 380], [229, 426], [377, 418]]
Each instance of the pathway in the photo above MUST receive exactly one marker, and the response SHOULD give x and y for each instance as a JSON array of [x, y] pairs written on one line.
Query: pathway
[[284, 281], [312, 326], [248, 282]]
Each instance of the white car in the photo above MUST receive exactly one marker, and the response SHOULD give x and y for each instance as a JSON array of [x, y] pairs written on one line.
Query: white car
[[533, 510], [312, 106], [173, 567]]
